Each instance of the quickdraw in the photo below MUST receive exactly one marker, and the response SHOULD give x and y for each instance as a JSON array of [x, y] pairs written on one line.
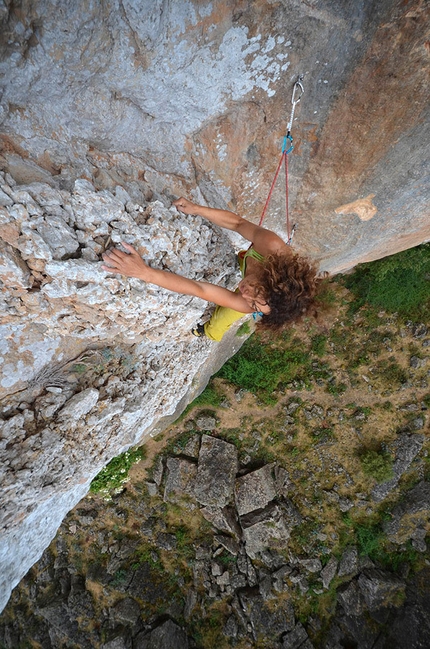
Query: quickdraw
[[287, 147]]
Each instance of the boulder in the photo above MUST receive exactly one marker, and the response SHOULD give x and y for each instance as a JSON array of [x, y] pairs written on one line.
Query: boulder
[[216, 472], [348, 564], [351, 599], [265, 528], [329, 571], [180, 481], [407, 448], [255, 490], [265, 621], [410, 515], [224, 519], [166, 636], [381, 588]]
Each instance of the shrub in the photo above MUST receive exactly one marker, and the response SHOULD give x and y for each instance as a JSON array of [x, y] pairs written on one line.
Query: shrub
[[377, 464], [318, 344]]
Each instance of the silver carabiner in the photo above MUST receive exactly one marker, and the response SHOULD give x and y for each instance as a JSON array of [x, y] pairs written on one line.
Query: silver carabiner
[[297, 86]]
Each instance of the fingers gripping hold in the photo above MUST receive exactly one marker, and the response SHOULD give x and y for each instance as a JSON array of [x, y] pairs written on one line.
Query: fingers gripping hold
[[185, 206], [129, 263]]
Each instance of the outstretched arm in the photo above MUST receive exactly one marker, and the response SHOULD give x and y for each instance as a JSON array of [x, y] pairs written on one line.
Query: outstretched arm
[[265, 241], [132, 265]]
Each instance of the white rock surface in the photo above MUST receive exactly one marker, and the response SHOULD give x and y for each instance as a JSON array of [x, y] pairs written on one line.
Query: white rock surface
[[89, 361]]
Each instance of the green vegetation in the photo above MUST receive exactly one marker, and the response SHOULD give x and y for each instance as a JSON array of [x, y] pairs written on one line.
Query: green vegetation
[[336, 388], [260, 367], [372, 542], [398, 283], [112, 478], [244, 329], [391, 372], [209, 397], [377, 464], [318, 344]]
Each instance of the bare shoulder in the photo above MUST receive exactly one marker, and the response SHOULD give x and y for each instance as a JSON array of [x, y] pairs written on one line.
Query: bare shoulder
[[267, 242], [264, 241]]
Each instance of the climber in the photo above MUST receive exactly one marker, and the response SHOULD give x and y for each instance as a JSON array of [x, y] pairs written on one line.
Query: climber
[[277, 285]]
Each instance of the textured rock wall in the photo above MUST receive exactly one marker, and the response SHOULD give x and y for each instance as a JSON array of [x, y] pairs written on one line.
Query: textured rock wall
[[166, 98], [194, 97], [89, 362]]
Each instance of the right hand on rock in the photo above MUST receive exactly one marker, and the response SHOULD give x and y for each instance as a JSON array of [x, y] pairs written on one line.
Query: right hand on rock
[[185, 206]]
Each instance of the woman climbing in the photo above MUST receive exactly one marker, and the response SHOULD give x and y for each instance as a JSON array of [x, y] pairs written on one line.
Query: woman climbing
[[277, 284]]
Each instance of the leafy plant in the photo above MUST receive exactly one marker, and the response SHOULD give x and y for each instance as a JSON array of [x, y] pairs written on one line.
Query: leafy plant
[[112, 478], [209, 397], [336, 388], [370, 538]]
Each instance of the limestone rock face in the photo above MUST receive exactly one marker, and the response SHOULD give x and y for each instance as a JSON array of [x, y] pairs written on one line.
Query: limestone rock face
[[194, 97], [90, 361]]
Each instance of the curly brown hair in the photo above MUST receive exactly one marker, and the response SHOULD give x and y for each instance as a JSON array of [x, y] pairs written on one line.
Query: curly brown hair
[[289, 284]]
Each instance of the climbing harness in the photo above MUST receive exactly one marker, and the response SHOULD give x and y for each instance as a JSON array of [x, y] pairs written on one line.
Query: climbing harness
[[287, 147]]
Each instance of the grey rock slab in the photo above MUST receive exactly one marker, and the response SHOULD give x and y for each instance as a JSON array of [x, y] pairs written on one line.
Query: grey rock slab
[[158, 470], [255, 490], [166, 541], [231, 627], [80, 404], [228, 543], [5, 199], [206, 423], [282, 481], [264, 528], [279, 578], [217, 468], [265, 620], [192, 447], [351, 599], [311, 565], [144, 586], [168, 635], [408, 447], [272, 559], [294, 639], [59, 237], [116, 643], [14, 272], [224, 519], [380, 588], [180, 480], [410, 514], [127, 610], [329, 571], [348, 564]]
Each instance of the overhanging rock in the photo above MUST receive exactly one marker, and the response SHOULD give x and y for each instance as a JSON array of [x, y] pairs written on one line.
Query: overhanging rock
[[91, 362]]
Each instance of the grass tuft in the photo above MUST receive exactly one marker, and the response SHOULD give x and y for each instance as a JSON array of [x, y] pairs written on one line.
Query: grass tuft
[[377, 464]]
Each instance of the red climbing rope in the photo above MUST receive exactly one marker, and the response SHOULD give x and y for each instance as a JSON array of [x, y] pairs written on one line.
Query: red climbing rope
[[288, 140], [271, 189]]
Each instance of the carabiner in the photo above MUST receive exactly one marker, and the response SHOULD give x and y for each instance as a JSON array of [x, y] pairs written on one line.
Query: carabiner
[[297, 86], [285, 144]]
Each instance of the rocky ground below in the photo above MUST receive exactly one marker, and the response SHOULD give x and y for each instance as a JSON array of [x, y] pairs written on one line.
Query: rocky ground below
[[291, 515]]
